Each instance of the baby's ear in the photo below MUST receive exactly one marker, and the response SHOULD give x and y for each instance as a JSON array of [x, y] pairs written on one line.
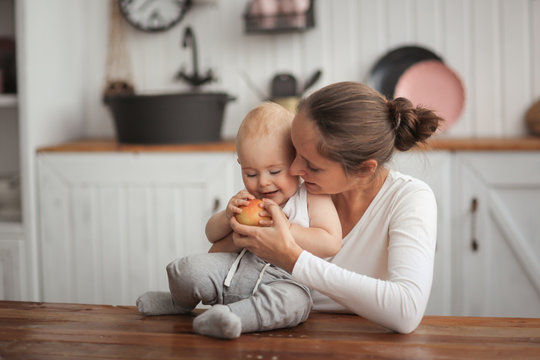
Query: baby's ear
[[238, 160]]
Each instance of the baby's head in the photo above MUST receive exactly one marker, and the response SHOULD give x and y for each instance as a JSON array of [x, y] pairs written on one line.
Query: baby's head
[[265, 152]]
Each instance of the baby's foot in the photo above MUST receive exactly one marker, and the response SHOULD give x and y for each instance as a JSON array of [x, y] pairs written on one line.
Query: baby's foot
[[159, 303], [218, 321]]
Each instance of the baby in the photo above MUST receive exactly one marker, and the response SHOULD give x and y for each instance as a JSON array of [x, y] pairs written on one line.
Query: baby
[[247, 293]]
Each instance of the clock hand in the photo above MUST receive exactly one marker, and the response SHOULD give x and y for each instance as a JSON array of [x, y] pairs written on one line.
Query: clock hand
[[144, 5], [156, 18]]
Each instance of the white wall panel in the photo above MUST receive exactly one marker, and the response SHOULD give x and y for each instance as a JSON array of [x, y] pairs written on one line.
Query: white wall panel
[[491, 44], [515, 65], [486, 64], [458, 52], [534, 12]]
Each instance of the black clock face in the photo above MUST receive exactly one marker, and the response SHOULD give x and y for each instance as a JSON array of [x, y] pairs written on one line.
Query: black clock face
[[154, 15]]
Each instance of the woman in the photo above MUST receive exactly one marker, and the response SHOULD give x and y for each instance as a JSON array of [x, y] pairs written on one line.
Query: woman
[[344, 134]]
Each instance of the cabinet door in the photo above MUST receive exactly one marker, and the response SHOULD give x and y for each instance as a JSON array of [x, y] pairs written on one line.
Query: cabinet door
[[434, 168], [110, 223], [498, 241], [11, 262]]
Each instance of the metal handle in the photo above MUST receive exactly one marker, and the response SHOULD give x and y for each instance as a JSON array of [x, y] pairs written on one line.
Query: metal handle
[[217, 205], [474, 211]]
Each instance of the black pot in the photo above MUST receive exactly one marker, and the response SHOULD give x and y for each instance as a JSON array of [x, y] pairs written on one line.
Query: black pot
[[168, 118], [388, 69]]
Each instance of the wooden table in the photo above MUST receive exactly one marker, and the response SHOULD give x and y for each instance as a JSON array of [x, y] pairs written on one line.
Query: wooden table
[[74, 331]]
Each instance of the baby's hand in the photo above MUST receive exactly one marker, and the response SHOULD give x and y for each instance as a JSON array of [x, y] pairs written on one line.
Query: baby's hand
[[236, 202]]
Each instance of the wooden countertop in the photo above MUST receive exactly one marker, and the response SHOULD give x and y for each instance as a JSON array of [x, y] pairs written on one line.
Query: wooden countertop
[[75, 331], [109, 145], [449, 144]]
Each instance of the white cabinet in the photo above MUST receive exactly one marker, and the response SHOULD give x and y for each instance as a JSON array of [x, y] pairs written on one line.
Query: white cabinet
[[11, 262], [497, 243], [111, 222], [12, 277], [488, 254]]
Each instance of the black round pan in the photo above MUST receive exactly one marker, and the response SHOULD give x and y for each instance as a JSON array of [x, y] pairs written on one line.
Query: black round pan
[[387, 70]]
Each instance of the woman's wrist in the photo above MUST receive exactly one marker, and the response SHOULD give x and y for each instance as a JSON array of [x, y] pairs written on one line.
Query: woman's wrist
[[291, 256]]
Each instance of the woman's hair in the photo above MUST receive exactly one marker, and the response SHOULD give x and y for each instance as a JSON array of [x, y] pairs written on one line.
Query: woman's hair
[[357, 123]]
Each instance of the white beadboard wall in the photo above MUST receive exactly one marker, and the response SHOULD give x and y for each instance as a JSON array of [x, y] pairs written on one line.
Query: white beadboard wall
[[494, 45]]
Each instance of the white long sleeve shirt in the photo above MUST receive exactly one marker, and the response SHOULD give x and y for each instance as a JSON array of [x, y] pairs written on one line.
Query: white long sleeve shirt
[[385, 267]]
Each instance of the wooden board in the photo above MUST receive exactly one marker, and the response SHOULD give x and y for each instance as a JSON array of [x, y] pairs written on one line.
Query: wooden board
[[76, 331]]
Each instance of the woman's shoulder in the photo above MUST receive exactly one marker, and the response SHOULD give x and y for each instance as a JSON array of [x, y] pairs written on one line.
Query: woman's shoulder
[[403, 186], [407, 182]]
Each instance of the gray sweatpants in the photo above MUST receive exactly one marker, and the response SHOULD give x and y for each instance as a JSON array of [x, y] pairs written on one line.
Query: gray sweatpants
[[279, 301]]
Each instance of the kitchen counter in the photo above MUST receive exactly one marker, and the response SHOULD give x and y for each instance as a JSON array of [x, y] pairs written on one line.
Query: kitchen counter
[[449, 144], [75, 331]]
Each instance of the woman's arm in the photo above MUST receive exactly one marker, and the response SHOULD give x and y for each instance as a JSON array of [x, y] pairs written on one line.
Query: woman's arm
[[399, 301], [323, 237]]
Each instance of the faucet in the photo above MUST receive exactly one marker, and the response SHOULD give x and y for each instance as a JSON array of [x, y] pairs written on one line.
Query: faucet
[[195, 79]]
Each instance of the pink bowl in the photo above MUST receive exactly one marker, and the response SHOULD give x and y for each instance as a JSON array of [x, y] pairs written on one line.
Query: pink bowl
[[433, 85]]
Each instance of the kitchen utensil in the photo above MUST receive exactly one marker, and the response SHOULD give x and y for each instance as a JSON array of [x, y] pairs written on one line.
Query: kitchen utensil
[[290, 103], [532, 118], [191, 117], [311, 81], [8, 66], [283, 85], [294, 11], [251, 85], [265, 12], [118, 74], [10, 198], [434, 85], [386, 72]]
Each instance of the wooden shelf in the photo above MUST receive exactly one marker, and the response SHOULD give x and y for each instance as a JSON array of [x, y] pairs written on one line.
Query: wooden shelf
[[530, 143], [110, 145], [525, 143]]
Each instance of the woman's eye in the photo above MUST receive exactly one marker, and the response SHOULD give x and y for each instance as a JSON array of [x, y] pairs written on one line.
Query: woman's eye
[[251, 175], [311, 168]]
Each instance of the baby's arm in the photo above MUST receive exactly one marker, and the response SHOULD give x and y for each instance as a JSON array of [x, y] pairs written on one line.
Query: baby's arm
[[218, 226], [323, 237]]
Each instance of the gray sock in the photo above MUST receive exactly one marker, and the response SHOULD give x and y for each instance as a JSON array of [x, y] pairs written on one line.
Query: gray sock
[[218, 321], [159, 303]]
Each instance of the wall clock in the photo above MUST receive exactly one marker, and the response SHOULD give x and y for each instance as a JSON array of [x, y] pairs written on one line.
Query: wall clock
[[154, 15]]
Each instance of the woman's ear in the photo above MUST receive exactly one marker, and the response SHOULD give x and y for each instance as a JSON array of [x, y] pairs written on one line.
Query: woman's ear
[[368, 167]]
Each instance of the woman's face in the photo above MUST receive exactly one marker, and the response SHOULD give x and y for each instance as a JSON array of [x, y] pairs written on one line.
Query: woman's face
[[321, 175]]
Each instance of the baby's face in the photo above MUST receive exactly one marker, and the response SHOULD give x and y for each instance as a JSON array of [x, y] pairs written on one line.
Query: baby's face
[[265, 169]]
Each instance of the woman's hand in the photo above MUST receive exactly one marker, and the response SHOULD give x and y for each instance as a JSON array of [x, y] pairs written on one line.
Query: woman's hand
[[273, 243]]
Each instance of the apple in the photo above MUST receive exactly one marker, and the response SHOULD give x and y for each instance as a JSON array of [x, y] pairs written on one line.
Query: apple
[[250, 213]]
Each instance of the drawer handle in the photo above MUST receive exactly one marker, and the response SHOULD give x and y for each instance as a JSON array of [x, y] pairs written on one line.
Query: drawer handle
[[474, 212]]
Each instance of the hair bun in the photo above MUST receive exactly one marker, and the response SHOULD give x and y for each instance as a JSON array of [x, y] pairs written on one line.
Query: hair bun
[[395, 115], [411, 124]]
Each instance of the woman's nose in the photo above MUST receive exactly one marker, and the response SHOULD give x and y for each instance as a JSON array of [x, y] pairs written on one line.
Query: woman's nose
[[296, 169]]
